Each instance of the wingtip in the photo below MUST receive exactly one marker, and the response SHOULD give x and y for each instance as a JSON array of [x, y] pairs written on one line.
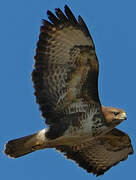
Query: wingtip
[[66, 8], [49, 12], [56, 9], [132, 151]]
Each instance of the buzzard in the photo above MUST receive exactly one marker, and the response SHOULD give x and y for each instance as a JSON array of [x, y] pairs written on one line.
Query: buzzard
[[65, 79]]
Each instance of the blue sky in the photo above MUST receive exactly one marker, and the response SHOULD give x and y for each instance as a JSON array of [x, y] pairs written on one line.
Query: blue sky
[[113, 27]]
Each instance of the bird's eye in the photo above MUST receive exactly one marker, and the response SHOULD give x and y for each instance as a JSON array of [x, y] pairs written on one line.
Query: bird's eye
[[115, 113]]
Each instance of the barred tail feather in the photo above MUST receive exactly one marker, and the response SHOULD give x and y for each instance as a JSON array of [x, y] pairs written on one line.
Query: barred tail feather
[[25, 145]]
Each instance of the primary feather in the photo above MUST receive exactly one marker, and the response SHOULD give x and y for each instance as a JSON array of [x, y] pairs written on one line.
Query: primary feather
[[65, 78]]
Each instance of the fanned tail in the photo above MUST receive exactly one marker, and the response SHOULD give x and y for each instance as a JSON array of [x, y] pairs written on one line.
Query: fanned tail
[[25, 145]]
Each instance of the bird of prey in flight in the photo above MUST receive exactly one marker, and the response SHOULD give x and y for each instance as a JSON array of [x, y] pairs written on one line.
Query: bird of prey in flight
[[65, 79]]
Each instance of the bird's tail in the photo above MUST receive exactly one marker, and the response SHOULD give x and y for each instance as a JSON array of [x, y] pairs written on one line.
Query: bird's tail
[[22, 146]]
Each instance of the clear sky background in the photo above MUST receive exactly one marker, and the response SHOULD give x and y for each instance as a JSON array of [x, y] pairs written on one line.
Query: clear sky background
[[113, 27]]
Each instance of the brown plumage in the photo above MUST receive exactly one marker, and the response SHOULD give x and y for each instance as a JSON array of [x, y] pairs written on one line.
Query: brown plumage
[[65, 78]]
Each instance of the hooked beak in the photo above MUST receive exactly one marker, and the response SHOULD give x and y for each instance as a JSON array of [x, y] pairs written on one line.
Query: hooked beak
[[119, 119], [123, 116]]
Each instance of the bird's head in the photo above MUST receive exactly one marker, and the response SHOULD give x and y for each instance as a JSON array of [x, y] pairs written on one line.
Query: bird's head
[[113, 116]]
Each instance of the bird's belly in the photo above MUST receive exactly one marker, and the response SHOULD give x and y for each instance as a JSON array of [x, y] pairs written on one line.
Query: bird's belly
[[82, 128], [86, 127]]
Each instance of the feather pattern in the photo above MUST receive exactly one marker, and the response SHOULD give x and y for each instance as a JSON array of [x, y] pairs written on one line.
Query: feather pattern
[[100, 154], [66, 69], [65, 78]]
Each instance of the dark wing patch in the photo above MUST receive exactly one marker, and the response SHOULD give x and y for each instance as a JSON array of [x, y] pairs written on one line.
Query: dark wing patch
[[100, 154], [66, 66], [84, 28], [70, 16], [63, 19]]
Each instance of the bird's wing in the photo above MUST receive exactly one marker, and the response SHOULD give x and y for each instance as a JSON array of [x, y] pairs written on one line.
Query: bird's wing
[[100, 154], [66, 68]]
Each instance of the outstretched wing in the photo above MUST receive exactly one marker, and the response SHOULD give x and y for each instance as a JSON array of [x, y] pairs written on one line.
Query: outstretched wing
[[98, 155], [66, 67]]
